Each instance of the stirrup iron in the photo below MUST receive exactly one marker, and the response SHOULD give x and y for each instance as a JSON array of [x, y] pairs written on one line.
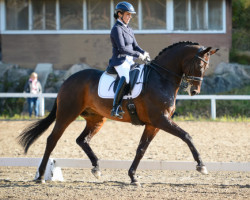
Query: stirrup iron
[[117, 112]]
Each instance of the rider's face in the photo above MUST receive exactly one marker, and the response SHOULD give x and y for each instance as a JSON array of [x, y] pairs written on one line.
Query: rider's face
[[126, 17]]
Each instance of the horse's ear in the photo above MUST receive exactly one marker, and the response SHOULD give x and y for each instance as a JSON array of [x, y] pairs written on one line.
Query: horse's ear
[[203, 52], [213, 51]]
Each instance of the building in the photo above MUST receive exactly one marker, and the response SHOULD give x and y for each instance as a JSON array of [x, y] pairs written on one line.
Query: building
[[65, 32]]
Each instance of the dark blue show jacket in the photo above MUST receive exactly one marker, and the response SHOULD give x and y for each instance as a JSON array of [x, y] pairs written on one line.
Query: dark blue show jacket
[[123, 43]]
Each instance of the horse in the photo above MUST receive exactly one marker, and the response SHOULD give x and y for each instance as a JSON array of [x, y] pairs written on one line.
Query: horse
[[155, 105]]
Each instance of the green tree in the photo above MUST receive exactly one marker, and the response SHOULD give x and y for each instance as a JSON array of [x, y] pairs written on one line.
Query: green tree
[[241, 14], [241, 36]]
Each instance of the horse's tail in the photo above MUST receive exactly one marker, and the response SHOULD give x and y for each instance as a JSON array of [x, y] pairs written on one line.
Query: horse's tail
[[35, 130]]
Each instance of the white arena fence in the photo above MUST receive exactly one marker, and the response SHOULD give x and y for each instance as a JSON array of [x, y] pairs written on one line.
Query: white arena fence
[[54, 172], [212, 98]]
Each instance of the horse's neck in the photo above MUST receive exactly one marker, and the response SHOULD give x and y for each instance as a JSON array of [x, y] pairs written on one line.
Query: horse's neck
[[173, 68], [171, 77], [169, 82], [172, 60]]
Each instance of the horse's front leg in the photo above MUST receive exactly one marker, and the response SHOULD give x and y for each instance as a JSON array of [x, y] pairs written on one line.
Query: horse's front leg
[[148, 135], [168, 125]]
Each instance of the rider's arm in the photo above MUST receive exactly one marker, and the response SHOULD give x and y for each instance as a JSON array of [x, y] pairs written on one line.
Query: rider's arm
[[118, 38]]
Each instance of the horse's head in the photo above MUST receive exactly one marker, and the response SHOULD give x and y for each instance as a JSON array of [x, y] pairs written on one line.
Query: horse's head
[[194, 67], [186, 61]]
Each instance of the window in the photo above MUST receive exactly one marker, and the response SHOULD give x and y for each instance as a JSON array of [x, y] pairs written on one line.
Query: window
[[154, 14], [71, 15], [43, 15], [215, 15], [17, 14], [198, 15], [180, 15], [96, 16]]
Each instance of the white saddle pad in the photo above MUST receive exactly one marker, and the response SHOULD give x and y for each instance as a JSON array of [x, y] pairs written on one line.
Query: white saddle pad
[[107, 92]]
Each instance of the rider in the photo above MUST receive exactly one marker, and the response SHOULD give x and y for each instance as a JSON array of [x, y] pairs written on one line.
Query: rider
[[125, 49]]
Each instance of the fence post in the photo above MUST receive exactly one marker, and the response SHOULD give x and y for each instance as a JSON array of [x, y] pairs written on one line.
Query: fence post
[[213, 108], [41, 105]]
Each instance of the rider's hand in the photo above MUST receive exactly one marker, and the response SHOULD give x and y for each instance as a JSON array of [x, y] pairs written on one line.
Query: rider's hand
[[146, 53], [142, 57], [147, 56]]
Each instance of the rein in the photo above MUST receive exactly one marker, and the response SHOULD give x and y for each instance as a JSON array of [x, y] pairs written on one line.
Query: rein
[[154, 66]]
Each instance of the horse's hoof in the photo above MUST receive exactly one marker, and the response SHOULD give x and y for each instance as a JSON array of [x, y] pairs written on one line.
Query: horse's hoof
[[96, 173], [202, 169], [136, 183]]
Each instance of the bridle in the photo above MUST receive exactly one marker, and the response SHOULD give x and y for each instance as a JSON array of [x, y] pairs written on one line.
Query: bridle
[[190, 79], [184, 77]]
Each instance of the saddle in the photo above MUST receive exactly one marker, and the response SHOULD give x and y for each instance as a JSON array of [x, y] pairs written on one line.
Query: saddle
[[134, 74], [133, 77]]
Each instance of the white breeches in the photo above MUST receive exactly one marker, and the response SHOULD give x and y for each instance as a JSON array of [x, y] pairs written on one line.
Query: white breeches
[[124, 68]]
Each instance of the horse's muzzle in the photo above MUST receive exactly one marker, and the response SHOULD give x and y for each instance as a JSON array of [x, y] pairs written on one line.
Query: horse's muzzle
[[194, 90]]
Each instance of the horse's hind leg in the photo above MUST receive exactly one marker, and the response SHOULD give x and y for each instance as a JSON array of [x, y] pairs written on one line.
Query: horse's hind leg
[[148, 135], [93, 125], [51, 143]]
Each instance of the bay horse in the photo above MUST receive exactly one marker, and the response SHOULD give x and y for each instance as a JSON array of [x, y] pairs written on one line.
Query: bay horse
[[155, 105]]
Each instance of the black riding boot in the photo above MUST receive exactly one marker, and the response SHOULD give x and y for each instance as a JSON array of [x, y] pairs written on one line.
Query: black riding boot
[[117, 110]]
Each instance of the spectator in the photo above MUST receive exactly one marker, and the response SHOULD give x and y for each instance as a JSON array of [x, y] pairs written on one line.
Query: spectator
[[33, 86]]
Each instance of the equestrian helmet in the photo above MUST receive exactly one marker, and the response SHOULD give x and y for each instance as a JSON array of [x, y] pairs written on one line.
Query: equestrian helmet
[[124, 7]]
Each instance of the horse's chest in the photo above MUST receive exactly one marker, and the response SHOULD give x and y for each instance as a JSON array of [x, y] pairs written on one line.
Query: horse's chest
[[169, 102], [169, 107]]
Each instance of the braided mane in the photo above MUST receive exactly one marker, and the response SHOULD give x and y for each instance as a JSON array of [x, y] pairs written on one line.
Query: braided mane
[[177, 44]]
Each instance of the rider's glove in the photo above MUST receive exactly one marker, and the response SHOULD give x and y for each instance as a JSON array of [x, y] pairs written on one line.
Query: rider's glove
[[144, 57], [147, 56]]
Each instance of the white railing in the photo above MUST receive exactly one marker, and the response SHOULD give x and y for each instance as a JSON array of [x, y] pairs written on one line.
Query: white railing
[[212, 98], [53, 170], [26, 95]]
